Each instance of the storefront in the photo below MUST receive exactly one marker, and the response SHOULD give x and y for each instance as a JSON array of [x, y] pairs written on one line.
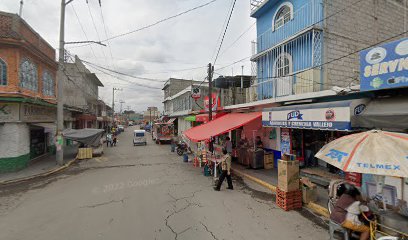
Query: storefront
[[86, 121], [304, 129], [26, 131]]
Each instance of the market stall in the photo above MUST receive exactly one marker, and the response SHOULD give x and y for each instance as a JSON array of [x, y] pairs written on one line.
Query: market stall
[[382, 154]]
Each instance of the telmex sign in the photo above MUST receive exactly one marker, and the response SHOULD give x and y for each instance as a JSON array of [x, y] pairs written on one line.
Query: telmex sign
[[385, 66]]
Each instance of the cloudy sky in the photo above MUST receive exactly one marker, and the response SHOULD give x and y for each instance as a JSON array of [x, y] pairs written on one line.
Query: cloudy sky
[[159, 52]]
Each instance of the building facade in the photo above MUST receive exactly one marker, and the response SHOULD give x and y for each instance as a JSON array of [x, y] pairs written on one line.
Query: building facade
[[27, 94], [81, 97], [312, 45]]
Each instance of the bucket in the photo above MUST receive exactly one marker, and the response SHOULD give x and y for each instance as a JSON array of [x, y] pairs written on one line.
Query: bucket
[[185, 157]]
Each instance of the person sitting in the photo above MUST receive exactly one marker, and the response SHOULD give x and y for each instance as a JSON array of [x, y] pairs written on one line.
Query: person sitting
[[347, 210]]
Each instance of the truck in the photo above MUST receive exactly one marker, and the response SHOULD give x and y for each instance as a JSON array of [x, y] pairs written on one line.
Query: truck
[[162, 132]]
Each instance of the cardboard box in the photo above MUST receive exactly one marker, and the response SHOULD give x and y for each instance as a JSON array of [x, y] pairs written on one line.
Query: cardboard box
[[268, 161], [288, 175], [288, 157], [309, 194]]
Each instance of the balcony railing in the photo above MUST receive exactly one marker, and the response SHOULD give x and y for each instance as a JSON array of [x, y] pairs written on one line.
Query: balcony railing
[[306, 16], [255, 4]]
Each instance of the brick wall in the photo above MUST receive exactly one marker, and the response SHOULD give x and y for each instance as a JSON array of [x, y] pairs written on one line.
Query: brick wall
[[357, 27]]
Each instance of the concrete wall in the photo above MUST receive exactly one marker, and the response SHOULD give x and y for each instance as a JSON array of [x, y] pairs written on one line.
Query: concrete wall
[[357, 27], [182, 125], [14, 146]]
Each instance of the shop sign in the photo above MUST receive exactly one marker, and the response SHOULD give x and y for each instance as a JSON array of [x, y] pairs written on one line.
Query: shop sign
[[215, 102], [37, 113], [196, 93], [9, 112], [337, 118], [385, 66]]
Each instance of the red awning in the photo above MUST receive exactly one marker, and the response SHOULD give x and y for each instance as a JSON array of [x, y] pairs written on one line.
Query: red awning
[[204, 117], [221, 125]]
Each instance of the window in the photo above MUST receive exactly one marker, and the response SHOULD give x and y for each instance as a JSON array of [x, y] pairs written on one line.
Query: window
[[48, 84], [28, 75], [282, 16], [3, 72], [283, 65]]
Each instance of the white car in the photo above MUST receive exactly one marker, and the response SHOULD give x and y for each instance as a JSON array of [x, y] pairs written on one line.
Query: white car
[[121, 128]]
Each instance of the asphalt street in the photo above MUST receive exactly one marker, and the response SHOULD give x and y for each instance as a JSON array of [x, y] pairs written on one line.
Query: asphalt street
[[144, 192]]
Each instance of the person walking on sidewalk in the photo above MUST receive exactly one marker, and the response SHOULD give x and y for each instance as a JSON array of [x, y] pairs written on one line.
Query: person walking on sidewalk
[[228, 145], [226, 171]]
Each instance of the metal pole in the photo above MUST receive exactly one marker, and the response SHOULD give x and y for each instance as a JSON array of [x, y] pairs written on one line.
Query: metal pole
[[210, 70], [21, 8], [60, 104], [242, 77], [113, 106]]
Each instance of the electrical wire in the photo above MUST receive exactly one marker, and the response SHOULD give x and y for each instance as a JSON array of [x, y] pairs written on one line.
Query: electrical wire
[[239, 37], [225, 31], [121, 73]]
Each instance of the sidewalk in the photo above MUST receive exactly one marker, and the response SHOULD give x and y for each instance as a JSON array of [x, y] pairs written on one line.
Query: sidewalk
[[271, 176], [42, 165]]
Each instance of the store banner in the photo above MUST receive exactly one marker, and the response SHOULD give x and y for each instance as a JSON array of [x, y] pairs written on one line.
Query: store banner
[[336, 118], [385, 66], [37, 113]]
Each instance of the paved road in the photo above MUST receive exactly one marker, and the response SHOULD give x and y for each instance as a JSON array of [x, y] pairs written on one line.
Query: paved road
[[143, 192]]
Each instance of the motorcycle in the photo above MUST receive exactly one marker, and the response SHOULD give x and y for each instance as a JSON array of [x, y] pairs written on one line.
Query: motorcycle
[[182, 148]]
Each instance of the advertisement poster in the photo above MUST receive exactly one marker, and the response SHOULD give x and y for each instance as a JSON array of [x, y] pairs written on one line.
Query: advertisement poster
[[385, 66], [285, 141]]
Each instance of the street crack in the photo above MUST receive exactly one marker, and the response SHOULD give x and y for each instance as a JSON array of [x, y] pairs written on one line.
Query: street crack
[[104, 203], [206, 228]]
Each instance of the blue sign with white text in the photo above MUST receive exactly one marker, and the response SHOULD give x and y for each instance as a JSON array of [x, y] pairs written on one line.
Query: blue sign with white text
[[385, 66]]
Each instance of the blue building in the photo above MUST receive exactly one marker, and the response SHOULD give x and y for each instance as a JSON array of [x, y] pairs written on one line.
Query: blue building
[[288, 50]]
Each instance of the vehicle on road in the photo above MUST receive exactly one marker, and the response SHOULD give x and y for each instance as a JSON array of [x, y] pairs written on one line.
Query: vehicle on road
[[130, 123], [121, 128], [147, 128], [139, 137], [163, 132]]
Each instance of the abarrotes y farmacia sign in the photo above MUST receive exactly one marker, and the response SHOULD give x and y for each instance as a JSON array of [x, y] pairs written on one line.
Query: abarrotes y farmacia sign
[[385, 66]]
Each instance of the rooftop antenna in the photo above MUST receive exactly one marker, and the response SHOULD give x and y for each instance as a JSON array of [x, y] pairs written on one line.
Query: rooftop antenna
[[21, 8]]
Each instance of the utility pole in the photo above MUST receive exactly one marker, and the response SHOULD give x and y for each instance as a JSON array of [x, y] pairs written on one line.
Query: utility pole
[[121, 103], [210, 74], [150, 110], [60, 103], [242, 77], [113, 103], [60, 84]]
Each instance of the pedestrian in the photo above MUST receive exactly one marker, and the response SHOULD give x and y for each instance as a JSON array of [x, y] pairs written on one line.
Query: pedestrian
[[347, 210], [226, 171], [115, 140], [108, 139], [228, 145]]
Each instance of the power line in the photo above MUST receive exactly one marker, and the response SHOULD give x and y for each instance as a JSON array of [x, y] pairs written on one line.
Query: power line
[[106, 34], [225, 31], [222, 30], [83, 30], [121, 73], [240, 36]]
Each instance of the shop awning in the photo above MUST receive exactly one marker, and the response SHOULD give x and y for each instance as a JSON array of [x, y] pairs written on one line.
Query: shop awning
[[171, 120], [204, 117], [384, 113], [190, 118], [221, 125]]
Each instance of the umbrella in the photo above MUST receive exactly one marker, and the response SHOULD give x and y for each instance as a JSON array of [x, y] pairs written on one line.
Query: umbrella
[[373, 152]]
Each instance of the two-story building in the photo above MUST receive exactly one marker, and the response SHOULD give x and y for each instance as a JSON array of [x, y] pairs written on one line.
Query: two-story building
[[81, 94], [27, 94], [305, 46]]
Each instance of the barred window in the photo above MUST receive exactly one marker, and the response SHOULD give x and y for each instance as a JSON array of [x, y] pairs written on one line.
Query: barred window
[[28, 75], [48, 84], [3, 72]]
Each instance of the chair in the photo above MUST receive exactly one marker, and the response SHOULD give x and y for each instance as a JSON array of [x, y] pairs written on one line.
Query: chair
[[333, 227]]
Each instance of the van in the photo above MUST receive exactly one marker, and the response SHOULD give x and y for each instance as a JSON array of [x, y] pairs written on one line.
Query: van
[[139, 137]]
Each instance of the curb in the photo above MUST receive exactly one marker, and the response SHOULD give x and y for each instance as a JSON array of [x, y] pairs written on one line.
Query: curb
[[44, 174], [316, 208]]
